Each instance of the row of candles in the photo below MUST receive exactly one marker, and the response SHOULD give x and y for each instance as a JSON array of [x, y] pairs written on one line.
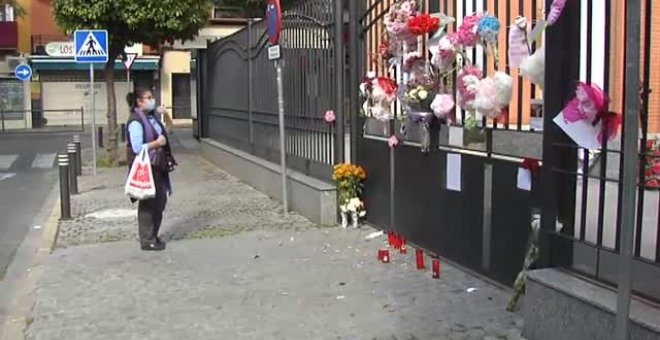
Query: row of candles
[[398, 242]]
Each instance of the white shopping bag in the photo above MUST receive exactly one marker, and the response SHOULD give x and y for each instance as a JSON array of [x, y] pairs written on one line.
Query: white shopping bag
[[140, 183]]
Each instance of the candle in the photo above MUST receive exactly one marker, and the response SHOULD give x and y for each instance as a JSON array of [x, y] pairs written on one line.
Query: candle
[[403, 248], [436, 268], [386, 256], [419, 255]]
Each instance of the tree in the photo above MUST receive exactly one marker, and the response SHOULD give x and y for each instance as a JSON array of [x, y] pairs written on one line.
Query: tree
[[251, 8], [19, 11], [150, 22]]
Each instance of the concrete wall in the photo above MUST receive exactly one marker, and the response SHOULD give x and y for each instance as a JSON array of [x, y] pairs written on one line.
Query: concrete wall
[[561, 306], [314, 199]]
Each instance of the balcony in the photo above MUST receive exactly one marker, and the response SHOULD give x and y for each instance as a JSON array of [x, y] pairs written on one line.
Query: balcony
[[8, 35]]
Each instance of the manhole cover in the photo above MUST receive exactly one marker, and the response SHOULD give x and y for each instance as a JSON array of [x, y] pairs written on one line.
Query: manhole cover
[[112, 214]]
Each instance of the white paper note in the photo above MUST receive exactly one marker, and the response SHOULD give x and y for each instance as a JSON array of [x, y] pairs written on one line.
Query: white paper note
[[454, 172], [456, 136], [582, 132], [524, 179]]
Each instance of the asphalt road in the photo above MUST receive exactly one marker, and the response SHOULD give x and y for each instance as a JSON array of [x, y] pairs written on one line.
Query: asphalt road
[[28, 173]]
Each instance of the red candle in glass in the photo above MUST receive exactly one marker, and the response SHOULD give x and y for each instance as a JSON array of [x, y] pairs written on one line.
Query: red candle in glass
[[436, 268], [403, 248], [419, 255], [390, 238], [386, 256]]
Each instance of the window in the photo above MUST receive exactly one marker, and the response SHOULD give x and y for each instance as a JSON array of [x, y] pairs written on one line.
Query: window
[[6, 13]]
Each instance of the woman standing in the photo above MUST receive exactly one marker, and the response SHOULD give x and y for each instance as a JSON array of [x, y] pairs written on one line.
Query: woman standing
[[144, 129]]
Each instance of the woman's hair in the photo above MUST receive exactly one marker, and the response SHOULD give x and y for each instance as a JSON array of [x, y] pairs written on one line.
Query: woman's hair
[[132, 97]]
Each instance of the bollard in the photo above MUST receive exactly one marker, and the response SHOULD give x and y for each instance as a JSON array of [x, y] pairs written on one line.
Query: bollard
[[76, 142], [73, 175], [100, 136], [65, 199], [123, 133]]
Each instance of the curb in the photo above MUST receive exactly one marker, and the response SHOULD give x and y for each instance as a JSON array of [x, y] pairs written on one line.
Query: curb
[[51, 231], [17, 321]]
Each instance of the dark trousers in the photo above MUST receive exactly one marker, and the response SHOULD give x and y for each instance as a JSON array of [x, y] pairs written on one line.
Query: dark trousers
[[150, 212]]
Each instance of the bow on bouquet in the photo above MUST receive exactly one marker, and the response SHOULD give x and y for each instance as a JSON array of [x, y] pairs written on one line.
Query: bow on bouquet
[[586, 118]]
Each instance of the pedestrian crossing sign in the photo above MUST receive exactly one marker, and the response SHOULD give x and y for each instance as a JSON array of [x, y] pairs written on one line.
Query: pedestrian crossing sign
[[91, 46]]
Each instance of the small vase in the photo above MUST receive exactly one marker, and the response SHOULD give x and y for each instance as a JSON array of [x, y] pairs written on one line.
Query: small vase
[[344, 219], [424, 137], [355, 220]]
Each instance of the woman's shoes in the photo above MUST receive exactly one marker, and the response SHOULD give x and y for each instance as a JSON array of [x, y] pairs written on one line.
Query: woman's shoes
[[153, 246]]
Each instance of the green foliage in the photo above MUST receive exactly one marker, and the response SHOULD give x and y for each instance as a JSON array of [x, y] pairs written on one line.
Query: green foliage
[[251, 8], [151, 22]]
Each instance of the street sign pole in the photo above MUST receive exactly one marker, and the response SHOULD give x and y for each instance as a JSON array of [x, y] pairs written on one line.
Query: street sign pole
[[280, 103], [92, 110], [274, 27], [91, 47]]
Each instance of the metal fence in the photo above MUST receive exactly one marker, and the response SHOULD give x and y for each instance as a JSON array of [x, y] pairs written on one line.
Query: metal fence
[[485, 226], [42, 120], [241, 108], [584, 187]]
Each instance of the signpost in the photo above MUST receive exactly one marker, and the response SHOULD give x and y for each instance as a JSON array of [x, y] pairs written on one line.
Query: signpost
[[274, 27], [91, 46], [23, 72], [128, 64]]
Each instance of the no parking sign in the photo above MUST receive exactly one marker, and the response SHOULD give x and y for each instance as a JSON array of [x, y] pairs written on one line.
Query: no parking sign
[[274, 21]]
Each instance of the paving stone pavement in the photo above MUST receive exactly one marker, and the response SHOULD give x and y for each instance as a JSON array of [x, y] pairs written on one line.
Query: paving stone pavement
[[235, 268], [264, 284], [207, 202]]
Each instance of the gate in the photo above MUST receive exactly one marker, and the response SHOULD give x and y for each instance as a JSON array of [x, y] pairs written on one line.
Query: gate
[[485, 225], [240, 108]]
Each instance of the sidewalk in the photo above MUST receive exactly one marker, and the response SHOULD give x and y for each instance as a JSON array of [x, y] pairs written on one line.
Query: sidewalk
[[235, 268]]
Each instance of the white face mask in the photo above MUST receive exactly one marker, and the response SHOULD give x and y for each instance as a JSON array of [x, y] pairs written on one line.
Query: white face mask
[[151, 105]]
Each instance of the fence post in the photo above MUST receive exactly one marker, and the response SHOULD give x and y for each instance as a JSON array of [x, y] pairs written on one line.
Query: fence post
[[339, 80], [73, 168], [558, 190], [2, 117], [250, 107], [65, 198], [630, 160], [354, 69], [76, 142]]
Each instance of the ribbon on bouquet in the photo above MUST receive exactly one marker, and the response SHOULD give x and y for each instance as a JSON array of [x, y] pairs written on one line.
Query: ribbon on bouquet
[[531, 165]]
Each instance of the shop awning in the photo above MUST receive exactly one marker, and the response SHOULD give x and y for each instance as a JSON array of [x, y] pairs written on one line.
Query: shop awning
[[69, 64]]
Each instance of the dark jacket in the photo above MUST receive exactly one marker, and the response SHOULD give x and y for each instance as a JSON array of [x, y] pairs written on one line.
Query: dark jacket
[[129, 148]]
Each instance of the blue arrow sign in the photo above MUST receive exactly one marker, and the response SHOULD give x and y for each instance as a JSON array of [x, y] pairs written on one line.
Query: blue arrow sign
[[23, 72], [91, 46]]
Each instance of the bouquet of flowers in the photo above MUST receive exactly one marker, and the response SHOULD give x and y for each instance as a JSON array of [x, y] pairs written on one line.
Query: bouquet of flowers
[[652, 165], [379, 93], [418, 96], [348, 178], [396, 26]]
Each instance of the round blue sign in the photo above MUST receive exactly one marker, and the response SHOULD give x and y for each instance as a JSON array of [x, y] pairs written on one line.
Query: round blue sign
[[274, 21], [23, 72]]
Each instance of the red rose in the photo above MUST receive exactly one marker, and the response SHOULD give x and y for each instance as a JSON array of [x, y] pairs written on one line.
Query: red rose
[[423, 24], [388, 85]]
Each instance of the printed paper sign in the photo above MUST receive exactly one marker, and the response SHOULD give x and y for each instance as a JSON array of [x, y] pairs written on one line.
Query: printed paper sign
[[454, 172], [524, 179]]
